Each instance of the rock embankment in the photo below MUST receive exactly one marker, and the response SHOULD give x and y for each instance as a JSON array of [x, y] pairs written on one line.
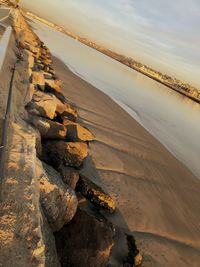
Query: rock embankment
[[84, 237]]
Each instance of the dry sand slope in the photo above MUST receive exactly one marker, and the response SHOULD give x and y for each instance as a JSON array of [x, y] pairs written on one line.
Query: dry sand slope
[[157, 196]]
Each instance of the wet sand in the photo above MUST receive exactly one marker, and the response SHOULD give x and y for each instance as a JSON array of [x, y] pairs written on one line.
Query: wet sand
[[156, 195]]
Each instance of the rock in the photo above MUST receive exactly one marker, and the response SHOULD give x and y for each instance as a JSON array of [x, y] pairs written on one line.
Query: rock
[[51, 84], [60, 108], [58, 201], [25, 237], [43, 105], [66, 111], [48, 76], [49, 129], [30, 59], [75, 132], [46, 61], [95, 194], [138, 259], [51, 256], [30, 93], [85, 241], [69, 175], [70, 113], [29, 73], [60, 96], [37, 61], [37, 67], [34, 50], [38, 143], [37, 79], [64, 108], [52, 71], [134, 257], [59, 153], [48, 105], [46, 68]]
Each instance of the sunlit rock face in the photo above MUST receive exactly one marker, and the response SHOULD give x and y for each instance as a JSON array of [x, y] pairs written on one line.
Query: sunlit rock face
[[58, 201], [57, 153]]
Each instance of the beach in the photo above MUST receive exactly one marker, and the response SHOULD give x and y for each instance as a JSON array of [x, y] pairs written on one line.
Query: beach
[[157, 197], [95, 157]]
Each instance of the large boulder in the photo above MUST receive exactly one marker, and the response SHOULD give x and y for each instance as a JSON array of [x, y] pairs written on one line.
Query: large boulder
[[58, 201], [59, 153], [43, 105], [75, 132], [69, 175], [86, 241], [95, 194], [49, 129], [37, 79]]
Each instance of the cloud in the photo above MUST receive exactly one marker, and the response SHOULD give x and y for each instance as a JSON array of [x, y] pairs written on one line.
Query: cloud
[[163, 34]]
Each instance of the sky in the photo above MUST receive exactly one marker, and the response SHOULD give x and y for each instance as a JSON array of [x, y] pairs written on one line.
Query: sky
[[162, 34]]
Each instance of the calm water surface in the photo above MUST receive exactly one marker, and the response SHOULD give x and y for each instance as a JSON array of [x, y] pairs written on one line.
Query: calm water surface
[[170, 117]]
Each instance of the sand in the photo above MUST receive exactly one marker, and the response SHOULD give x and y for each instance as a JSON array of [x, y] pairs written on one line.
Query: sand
[[156, 195]]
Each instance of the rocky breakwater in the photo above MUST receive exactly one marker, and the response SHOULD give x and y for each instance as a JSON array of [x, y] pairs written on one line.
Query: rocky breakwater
[[71, 204], [62, 147]]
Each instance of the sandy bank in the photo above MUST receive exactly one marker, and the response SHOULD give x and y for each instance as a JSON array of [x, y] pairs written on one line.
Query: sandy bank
[[157, 196]]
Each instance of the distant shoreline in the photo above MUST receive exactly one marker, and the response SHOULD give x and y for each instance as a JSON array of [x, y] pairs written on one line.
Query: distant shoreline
[[143, 177], [172, 83]]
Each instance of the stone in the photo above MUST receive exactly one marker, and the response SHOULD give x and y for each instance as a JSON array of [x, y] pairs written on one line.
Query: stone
[[60, 96], [85, 241], [34, 50], [43, 105], [46, 68], [69, 175], [37, 61], [38, 143], [49, 129], [58, 201], [48, 105], [25, 237], [134, 257], [60, 108], [30, 93], [138, 259], [37, 68], [52, 71], [57, 153], [46, 61], [70, 113], [51, 256], [29, 73], [95, 194], [76, 132], [51, 84], [30, 59], [37, 79], [48, 76]]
